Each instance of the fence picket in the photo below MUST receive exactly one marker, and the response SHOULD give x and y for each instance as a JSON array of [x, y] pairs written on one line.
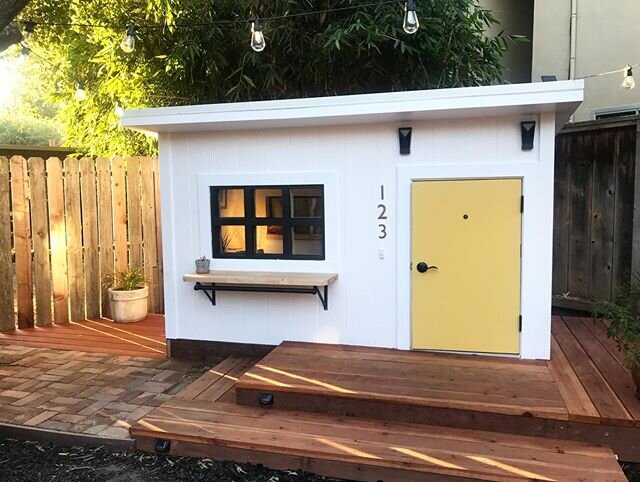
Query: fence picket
[[149, 232], [40, 233], [22, 240], [90, 236], [74, 239], [156, 179], [134, 212], [58, 240], [119, 212], [105, 227], [7, 318]]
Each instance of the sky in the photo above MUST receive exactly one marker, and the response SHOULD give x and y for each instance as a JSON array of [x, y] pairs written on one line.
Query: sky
[[10, 79]]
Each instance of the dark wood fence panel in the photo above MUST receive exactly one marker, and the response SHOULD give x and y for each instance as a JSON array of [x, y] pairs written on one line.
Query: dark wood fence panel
[[595, 195], [64, 225]]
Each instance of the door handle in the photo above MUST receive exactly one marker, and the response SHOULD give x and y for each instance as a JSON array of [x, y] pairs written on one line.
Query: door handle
[[423, 267]]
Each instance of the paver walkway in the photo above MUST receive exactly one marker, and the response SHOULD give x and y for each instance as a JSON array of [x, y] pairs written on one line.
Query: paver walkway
[[90, 393]]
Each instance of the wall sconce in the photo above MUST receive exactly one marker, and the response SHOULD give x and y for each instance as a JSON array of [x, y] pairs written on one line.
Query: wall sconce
[[404, 136], [528, 129]]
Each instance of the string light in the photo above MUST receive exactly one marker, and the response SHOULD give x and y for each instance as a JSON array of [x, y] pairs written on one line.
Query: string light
[[80, 93], [24, 54], [410, 23], [128, 43], [29, 27], [257, 37], [629, 82], [118, 110]]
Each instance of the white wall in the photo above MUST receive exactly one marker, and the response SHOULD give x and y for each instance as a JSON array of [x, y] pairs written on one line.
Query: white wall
[[369, 304]]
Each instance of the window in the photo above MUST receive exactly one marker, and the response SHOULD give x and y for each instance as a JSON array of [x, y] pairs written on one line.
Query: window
[[277, 222], [616, 113]]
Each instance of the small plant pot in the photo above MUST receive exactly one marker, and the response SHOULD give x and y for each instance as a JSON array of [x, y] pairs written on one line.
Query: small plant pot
[[202, 265], [635, 373], [128, 306]]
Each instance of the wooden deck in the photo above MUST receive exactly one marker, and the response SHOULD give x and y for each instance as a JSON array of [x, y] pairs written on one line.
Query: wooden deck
[[584, 393], [202, 420], [144, 338]]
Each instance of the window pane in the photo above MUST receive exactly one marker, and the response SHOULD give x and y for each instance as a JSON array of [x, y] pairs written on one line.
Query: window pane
[[307, 203], [268, 203], [231, 203], [232, 239], [269, 240], [307, 240]]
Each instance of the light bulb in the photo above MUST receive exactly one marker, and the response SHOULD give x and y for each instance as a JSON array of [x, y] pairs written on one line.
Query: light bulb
[[128, 43], [118, 111], [257, 37], [629, 82], [410, 24], [80, 93]]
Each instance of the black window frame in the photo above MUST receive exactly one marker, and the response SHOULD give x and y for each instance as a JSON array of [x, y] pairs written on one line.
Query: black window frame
[[250, 221]]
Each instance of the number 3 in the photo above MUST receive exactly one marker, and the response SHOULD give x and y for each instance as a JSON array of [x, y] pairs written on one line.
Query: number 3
[[383, 231]]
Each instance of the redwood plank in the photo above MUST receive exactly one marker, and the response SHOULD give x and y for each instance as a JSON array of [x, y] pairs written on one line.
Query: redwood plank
[[617, 377], [58, 236], [134, 211], [105, 228], [74, 239], [579, 404], [90, 223], [119, 196], [227, 382], [22, 241], [601, 394], [149, 233], [212, 376], [7, 316], [40, 228]]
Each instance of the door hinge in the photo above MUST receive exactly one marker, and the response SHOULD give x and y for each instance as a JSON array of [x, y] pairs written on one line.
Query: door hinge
[[521, 204], [520, 323]]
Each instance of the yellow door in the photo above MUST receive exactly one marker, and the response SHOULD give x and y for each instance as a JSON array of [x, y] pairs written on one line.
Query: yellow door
[[471, 231]]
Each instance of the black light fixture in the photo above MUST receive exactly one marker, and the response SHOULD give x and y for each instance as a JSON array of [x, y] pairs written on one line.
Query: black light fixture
[[549, 78], [404, 136], [528, 129]]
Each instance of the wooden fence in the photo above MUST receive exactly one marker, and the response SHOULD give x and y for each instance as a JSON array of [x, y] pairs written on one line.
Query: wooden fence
[[64, 224], [597, 210]]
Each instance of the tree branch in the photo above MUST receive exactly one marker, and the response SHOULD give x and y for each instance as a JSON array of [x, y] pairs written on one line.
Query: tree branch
[[9, 36], [9, 10]]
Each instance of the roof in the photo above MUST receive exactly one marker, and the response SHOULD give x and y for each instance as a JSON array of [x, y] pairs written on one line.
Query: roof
[[561, 98]]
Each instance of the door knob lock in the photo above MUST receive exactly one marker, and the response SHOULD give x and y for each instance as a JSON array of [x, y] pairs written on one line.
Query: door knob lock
[[423, 267]]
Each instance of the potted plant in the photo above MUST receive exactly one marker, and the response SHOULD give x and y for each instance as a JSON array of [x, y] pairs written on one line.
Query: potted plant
[[128, 294], [623, 315], [202, 265]]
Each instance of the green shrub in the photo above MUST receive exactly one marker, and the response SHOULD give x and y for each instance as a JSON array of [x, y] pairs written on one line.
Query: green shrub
[[126, 280]]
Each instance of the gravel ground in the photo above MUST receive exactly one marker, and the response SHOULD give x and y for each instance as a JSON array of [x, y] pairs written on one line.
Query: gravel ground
[[33, 461]]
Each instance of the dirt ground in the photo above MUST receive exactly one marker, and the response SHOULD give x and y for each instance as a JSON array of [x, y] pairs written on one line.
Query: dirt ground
[[33, 461]]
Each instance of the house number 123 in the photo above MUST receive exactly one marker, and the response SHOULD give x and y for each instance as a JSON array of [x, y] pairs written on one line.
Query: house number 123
[[382, 215]]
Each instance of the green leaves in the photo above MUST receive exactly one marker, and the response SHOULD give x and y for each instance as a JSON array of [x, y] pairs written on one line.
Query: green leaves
[[346, 52]]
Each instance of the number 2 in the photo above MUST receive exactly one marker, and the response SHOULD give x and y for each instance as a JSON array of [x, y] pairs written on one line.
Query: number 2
[[383, 211]]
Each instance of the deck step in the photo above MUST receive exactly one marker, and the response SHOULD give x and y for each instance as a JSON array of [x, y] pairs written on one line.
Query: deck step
[[363, 449]]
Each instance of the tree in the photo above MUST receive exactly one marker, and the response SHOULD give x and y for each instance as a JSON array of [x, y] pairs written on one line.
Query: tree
[[9, 32], [344, 52]]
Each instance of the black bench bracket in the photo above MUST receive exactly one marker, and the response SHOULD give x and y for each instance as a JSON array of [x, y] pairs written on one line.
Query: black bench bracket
[[209, 289]]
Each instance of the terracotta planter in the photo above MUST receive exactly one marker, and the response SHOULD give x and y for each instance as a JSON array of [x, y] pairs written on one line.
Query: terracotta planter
[[128, 306], [635, 373]]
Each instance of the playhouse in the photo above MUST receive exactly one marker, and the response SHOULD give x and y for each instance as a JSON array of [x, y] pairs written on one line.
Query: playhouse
[[416, 220]]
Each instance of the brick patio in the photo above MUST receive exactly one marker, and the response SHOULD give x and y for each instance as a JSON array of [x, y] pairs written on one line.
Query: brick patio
[[86, 393]]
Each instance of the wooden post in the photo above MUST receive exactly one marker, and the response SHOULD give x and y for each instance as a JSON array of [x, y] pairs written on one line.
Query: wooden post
[[22, 240], [58, 240], [119, 196], [40, 228], [105, 227], [90, 236], [74, 239], [134, 211], [149, 232], [7, 316]]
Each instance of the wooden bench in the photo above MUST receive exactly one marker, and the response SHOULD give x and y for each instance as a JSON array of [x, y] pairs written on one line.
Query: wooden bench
[[263, 282]]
